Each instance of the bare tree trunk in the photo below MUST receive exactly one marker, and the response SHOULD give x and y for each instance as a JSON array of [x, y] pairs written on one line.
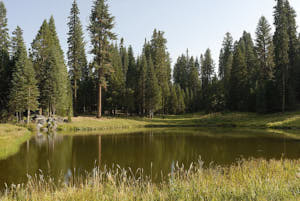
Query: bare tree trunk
[[99, 115], [28, 109], [28, 116], [75, 97], [283, 92]]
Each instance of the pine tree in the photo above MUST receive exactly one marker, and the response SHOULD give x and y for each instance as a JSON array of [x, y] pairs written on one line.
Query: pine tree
[[162, 65], [76, 54], [225, 65], [239, 90], [53, 81], [116, 82], [153, 93], [141, 89], [293, 54], [131, 82], [281, 50], [173, 101], [265, 52], [180, 98], [207, 72], [24, 91], [124, 57], [5, 69], [101, 24]]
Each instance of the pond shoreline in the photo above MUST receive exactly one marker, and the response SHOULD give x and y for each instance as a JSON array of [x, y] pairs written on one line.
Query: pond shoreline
[[11, 138], [287, 121], [91, 125]]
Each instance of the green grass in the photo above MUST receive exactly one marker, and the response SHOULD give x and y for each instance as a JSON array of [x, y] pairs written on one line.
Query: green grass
[[257, 179], [11, 138], [250, 120]]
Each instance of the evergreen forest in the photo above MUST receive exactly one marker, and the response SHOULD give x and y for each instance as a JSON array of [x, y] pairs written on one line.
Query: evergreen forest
[[259, 73]]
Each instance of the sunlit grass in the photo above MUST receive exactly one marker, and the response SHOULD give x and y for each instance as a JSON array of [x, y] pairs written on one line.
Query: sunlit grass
[[232, 119], [11, 138], [247, 180]]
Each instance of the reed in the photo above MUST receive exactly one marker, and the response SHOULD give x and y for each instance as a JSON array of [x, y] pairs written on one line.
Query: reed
[[255, 179]]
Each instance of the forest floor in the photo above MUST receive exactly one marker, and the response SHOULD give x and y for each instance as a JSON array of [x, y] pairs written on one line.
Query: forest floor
[[289, 120], [255, 179], [11, 138]]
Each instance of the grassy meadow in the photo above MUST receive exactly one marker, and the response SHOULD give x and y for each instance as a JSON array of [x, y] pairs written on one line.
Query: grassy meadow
[[249, 120], [11, 138], [255, 179]]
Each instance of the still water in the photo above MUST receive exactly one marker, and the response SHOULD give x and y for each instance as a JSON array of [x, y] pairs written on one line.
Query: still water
[[156, 151]]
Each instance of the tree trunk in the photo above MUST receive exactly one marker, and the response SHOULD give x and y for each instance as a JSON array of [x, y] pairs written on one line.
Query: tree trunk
[[99, 115], [75, 97], [28, 109], [28, 116], [283, 92]]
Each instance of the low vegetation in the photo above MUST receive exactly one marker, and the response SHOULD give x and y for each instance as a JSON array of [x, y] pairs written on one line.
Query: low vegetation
[[249, 120], [247, 180], [11, 138]]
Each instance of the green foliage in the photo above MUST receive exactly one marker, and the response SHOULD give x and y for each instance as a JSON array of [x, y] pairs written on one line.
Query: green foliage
[[162, 65], [77, 61], [131, 82], [53, 81], [207, 73], [101, 24], [24, 92], [225, 65], [238, 80], [141, 90], [281, 50], [153, 92], [265, 72], [5, 67], [116, 82]]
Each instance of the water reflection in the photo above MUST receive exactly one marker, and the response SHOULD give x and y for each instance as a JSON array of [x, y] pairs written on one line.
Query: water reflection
[[156, 151]]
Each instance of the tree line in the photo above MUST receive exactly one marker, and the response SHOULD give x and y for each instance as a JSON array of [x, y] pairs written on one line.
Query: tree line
[[258, 75]]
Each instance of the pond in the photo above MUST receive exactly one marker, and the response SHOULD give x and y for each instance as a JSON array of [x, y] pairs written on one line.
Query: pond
[[156, 151]]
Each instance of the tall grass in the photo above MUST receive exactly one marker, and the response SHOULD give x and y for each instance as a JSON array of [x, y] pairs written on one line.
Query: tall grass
[[11, 138], [233, 119], [247, 180]]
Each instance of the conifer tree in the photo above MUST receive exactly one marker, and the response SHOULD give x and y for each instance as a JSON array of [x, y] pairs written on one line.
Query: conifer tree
[[48, 59], [225, 65], [5, 68], [207, 72], [116, 82], [101, 25], [131, 82], [153, 93], [162, 65], [265, 52], [24, 92], [141, 89], [180, 100], [77, 61], [281, 50], [293, 55], [226, 57], [238, 79], [173, 101], [124, 57]]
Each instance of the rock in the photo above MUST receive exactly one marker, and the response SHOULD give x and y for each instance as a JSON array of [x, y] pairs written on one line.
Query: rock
[[45, 130], [59, 120], [40, 119]]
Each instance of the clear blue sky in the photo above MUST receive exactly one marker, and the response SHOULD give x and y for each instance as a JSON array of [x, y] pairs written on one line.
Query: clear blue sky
[[192, 24]]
